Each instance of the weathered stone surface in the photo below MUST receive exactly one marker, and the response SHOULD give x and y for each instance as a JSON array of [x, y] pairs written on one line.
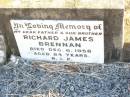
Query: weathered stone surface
[[2, 49], [23, 78], [113, 25], [117, 4], [126, 51]]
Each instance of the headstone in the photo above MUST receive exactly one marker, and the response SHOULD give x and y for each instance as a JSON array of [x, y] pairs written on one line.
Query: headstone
[[60, 40], [72, 31]]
